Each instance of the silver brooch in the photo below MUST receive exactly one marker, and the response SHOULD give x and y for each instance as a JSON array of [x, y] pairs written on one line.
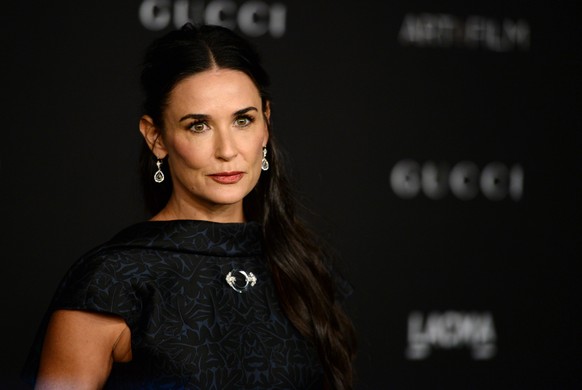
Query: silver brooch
[[239, 287]]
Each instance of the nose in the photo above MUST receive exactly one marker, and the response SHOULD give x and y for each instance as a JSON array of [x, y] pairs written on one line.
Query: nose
[[225, 145]]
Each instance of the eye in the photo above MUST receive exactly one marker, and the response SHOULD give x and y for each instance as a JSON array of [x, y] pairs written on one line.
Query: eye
[[243, 121], [198, 127]]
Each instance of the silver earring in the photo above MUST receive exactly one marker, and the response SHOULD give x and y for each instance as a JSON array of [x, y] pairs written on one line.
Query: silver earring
[[159, 175], [264, 162]]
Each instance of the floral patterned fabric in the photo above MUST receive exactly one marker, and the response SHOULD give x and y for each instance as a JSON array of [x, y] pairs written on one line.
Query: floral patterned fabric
[[189, 328]]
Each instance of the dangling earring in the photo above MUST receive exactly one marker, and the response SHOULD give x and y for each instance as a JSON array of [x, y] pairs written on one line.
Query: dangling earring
[[159, 175], [264, 162]]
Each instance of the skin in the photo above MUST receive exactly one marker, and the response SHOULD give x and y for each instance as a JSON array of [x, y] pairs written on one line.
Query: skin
[[229, 138], [213, 123]]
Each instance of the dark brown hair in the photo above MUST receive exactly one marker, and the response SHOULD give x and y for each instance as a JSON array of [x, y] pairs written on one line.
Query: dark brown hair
[[303, 280]]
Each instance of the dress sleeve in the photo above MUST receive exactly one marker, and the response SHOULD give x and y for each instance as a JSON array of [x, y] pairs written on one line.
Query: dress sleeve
[[99, 282], [106, 283]]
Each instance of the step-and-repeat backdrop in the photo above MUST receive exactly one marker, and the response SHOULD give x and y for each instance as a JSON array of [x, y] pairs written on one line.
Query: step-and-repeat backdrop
[[436, 144]]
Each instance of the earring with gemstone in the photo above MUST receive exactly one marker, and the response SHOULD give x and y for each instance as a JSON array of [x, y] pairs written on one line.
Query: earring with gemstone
[[159, 175], [264, 162]]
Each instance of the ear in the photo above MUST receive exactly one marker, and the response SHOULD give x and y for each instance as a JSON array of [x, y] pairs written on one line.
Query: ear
[[152, 136], [267, 115], [267, 111]]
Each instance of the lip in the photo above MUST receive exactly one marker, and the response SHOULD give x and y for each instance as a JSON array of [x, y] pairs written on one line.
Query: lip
[[232, 177]]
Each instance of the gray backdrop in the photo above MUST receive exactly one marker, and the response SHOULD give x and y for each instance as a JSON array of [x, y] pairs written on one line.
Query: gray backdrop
[[436, 145]]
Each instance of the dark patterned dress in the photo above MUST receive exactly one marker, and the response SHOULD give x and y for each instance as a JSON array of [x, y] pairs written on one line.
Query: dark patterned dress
[[189, 328]]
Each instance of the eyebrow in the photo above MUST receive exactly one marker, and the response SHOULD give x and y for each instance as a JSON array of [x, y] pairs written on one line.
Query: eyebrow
[[204, 116]]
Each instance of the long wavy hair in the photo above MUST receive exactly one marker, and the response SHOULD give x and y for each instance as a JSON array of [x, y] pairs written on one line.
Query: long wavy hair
[[304, 283]]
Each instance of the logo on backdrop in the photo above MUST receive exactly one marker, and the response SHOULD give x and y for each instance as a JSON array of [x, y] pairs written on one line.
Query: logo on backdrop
[[252, 18], [496, 181], [451, 330], [473, 32]]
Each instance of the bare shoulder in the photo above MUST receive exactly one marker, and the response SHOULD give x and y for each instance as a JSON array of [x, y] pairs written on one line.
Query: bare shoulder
[[80, 348]]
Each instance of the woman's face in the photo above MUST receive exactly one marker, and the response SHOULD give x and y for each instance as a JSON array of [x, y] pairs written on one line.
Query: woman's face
[[214, 133]]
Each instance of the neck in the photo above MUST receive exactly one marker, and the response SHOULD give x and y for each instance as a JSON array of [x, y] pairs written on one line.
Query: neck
[[176, 209]]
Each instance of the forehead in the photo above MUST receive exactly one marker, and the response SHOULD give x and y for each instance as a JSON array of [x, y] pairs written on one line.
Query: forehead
[[213, 91]]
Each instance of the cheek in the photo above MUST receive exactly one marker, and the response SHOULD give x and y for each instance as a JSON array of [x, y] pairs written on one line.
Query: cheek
[[255, 149], [191, 154], [262, 139]]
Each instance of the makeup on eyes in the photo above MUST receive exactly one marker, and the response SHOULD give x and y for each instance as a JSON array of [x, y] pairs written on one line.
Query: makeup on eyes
[[195, 125]]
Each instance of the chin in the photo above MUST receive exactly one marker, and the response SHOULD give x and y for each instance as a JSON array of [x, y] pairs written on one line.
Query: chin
[[227, 199]]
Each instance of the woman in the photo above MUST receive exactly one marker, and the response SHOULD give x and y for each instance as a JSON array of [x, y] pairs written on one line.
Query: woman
[[223, 287]]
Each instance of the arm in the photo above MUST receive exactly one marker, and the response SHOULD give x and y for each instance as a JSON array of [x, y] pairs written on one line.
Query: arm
[[80, 348]]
